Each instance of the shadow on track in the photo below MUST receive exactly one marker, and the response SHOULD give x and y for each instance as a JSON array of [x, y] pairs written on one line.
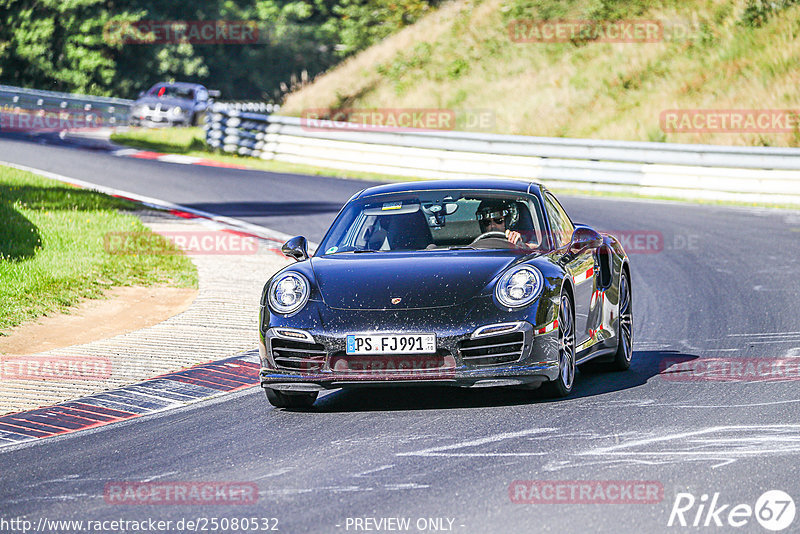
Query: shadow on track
[[54, 139], [267, 209], [646, 365]]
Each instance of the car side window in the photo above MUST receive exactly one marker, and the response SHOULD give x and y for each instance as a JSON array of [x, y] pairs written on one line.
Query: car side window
[[560, 222]]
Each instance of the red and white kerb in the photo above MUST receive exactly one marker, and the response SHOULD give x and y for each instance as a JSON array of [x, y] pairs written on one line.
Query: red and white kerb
[[597, 296], [580, 278], [577, 279], [548, 328]]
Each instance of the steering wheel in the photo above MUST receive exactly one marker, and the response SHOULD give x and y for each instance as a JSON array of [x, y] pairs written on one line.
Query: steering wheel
[[490, 235]]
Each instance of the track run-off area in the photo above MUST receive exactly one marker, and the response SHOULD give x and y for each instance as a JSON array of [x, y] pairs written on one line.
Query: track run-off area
[[710, 283]]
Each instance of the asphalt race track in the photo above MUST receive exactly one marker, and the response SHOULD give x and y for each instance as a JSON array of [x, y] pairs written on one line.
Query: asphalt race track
[[720, 283]]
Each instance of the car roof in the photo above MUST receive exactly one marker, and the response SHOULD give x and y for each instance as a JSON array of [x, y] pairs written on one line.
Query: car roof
[[178, 84], [501, 184]]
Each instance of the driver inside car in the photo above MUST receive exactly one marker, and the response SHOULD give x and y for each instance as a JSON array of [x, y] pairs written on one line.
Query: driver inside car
[[498, 216]]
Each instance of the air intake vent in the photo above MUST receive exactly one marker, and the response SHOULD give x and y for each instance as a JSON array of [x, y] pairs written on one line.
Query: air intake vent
[[297, 355], [492, 350]]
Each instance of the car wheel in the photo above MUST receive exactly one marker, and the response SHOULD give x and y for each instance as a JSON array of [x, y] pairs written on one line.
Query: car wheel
[[562, 385], [622, 359], [280, 399]]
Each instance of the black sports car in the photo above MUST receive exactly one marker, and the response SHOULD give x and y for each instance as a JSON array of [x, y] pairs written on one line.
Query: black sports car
[[463, 283]]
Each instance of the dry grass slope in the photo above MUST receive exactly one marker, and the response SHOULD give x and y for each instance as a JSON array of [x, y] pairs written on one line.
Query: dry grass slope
[[462, 58]]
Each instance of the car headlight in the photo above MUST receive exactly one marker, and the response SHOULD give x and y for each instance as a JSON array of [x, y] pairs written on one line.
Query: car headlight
[[288, 293], [519, 286], [176, 111]]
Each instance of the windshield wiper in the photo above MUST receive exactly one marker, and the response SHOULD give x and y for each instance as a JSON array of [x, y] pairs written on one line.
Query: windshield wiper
[[352, 251], [462, 247]]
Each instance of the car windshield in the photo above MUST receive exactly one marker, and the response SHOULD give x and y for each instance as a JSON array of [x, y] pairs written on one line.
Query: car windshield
[[438, 220], [171, 91]]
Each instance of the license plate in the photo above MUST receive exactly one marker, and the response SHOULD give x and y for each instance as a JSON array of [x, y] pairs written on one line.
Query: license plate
[[391, 344]]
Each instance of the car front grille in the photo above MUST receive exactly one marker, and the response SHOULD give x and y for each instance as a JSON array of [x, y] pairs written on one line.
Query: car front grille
[[297, 355], [492, 350]]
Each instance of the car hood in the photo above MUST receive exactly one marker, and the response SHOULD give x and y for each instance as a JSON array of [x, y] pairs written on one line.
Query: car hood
[[419, 279]]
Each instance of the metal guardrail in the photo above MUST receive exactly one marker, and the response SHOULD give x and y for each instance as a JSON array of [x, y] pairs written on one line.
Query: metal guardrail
[[753, 174], [255, 107], [108, 111]]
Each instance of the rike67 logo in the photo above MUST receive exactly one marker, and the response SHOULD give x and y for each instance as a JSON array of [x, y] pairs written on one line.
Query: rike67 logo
[[774, 510]]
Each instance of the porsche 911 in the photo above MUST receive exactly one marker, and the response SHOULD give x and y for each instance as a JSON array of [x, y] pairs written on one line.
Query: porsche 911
[[454, 283]]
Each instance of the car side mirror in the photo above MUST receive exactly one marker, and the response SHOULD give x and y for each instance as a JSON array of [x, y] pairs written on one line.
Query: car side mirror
[[214, 93], [141, 94], [584, 238], [297, 248]]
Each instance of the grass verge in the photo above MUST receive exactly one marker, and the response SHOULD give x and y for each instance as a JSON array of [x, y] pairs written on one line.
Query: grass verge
[[476, 55], [179, 141], [52, 251]]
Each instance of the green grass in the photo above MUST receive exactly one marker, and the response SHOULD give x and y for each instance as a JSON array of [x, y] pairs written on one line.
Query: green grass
[[714, 54], [52, 251], [171, 140]]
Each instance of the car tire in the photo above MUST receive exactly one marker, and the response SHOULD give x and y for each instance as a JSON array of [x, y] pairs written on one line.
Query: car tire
[[562, 385], [280, 399], [624, 354]]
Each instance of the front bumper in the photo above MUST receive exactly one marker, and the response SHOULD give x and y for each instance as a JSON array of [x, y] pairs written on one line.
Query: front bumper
[[154, 118], [462, 360]]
